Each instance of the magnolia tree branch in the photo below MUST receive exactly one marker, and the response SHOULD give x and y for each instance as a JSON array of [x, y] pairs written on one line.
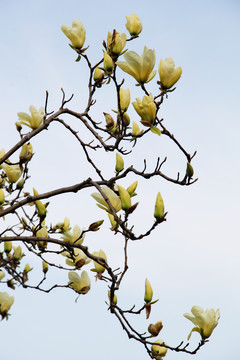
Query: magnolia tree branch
[[32, 228]]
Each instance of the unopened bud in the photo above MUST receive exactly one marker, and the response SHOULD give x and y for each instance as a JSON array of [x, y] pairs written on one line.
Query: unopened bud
[[108, 63], [20, 184], [114, 297], [189, 170], [97, 75], [148, 291], [2, 197], [159, 207], [119, 163], [7, 246], [44, 267], [131, 189], [109, 121], [124, 197]]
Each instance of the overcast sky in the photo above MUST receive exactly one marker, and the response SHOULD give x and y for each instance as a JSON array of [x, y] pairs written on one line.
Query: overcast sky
[[193, 258]]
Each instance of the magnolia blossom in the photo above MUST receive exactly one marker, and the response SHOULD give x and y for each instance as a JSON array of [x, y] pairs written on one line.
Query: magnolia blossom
[[78, 259], [13, 172], [75, 236], [146, 108], [115, 43], [79, 284], [205, 321], [168, 74], [33, 121], [133, 24], [140, 67], [6, 302], [99, 268], [158, 352], [76, 33], [112, 197]]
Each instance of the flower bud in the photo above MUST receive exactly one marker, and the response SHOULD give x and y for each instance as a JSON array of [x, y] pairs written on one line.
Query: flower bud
[[96, 225], [24, 153], [108, 63], [7, 246], [13, 172], [158, 352], [27, 268], [126, 119], [115, 43], [17, 254], [99, 268], [135, 129], [6, 302], [154, 329], [119, 163], [41, 209], [133, 25], [2, 197], [20, 183], [97, 75], [109, 121], [113, 222], [159, 207], [131, 189], [124, 197], [2, 274], [148, 292], [124, 95], [114, 297], [189, 170], [44, 267]]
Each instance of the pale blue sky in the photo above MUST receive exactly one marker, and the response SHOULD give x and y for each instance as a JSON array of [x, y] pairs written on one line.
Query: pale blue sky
[[193, 259]]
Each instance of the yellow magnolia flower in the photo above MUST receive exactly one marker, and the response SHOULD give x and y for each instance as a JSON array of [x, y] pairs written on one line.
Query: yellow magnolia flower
[[13, 172], [205, 321], [112, 197], [131, 189], [6, 302], [76, 33], [146, 108], [42, 245], [124, 99], [168, 74], [140, 67], [158, 352], [135, 129], [75, 236], [79, 284], [148, 291], [17, 254], [133, 24], [33, 121], [99, 268], [79, 258], [115, 43]]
